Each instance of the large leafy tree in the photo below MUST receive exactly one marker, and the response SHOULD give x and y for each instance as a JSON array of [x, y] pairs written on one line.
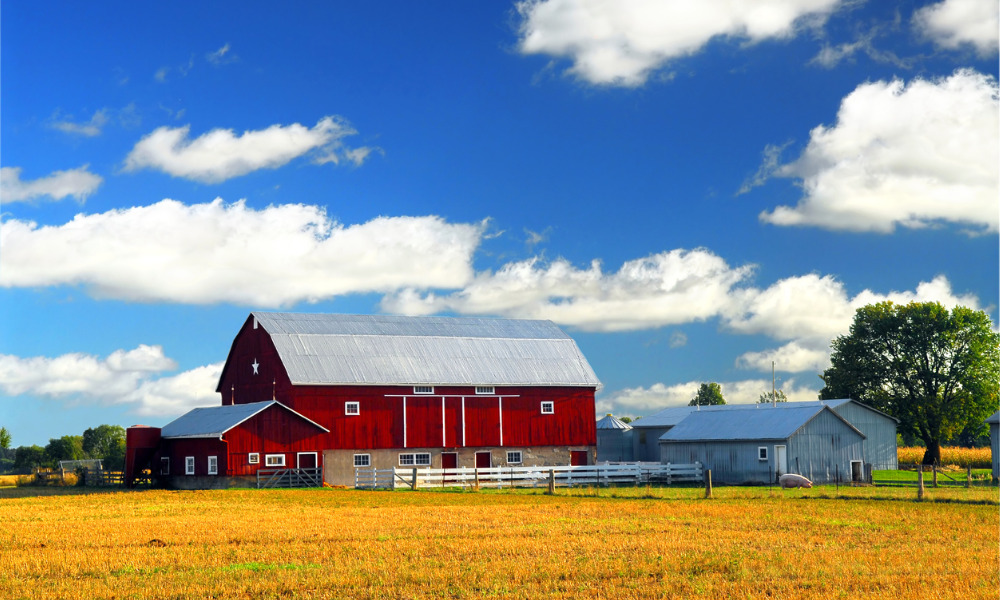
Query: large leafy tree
[[708, 394], [106, 442], [935, 370], [68, 447]]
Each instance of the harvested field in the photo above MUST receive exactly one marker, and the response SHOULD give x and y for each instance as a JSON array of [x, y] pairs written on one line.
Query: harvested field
[[619, 543]]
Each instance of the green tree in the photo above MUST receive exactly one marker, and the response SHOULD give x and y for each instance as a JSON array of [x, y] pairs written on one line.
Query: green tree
[[68, 447], [709, 394], [4, 438], [769, 397], [106, 442], [27, 458], [936, 371]]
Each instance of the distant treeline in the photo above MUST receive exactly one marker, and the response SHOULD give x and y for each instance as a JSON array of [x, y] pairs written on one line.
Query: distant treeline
[[106, 442]]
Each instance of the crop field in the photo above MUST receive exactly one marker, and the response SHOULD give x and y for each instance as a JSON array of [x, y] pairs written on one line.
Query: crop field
[[977, 458], [608, 543]]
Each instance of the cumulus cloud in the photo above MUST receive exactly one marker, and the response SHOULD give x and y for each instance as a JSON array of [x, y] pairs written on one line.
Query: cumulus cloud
[[809, 311], [220, 154], [908, 155], [622, 42], [91, 128], [218, 252], [673, 287], [955, 23], [639, 401], [78, 183], [123, 377]]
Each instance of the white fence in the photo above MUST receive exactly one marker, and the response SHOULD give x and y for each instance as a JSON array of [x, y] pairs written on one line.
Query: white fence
[[501, 477]]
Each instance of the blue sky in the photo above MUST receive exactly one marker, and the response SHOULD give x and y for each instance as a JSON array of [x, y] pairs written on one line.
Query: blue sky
[[691, 190]]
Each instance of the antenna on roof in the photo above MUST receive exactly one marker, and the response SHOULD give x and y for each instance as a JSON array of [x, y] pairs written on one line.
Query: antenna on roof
[[272, 389], [774, 395], [232, 395]]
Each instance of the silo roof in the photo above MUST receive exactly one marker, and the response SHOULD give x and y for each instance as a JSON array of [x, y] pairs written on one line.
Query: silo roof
[[612, 422]]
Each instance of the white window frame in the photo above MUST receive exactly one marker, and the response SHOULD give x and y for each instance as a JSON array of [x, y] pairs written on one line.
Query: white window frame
[[762, 453], [276, 463], [514, 457], [550, 406], [352, 409], [488, 390], [213, 465], [164, 465], [189, 465], [254, 458], [423, 389], [365, 460], [415, 459]]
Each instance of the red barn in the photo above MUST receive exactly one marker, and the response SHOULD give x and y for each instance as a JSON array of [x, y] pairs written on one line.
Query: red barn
[[388, 391]]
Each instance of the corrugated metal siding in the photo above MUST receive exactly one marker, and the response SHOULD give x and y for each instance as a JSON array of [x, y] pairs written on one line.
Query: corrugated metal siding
[[816, 450], [614, 445], [994, 421], [880, 434], [646, 443]]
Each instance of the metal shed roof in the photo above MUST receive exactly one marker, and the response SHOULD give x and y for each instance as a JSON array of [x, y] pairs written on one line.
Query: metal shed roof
[[331, 349], [994, 418], [612, 422], [668, 417], [730, 425], [214, 421]]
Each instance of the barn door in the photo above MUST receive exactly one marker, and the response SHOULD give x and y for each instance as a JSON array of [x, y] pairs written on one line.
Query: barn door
[[578, 458], [484, 460], [780, 461], [306, 460], [449, 460]]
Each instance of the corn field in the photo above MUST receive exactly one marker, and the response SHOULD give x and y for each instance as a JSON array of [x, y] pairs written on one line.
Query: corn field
[[977, 458]]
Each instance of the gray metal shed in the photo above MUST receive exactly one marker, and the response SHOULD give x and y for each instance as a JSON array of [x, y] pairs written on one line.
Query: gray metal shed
[[614, 440], [878, 428], [994, 421], [757, 445]]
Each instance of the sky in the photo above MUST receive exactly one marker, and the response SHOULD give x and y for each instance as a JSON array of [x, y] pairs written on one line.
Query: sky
[[692, 191]]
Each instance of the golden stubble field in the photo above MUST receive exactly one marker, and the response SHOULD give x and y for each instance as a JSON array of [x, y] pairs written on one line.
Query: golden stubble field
[[626, 543]]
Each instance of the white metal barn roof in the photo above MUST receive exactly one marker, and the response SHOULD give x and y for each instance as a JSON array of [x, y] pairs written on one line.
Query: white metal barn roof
[[214, 421], [331, 349]]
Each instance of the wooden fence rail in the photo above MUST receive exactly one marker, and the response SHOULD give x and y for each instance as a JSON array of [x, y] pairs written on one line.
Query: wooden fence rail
[[556, 476]]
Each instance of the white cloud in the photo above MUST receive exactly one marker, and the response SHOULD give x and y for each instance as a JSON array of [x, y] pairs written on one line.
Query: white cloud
[[221, 56], [954, 23], [220, 252], [621, 42], [220, 154], [643, 401], [903, 154], [810, 311], [673, 287], [78, 183], [124, 377], [90, 128]]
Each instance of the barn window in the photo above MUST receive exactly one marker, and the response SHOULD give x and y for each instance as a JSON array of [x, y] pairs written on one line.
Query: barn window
[[422, 459], [485, 389], [548, 407], [761, 452], [513, 457], [189, 465], [254, 458], [362, 460], [213, 465], [352, 408], [165, 465], [274, 460], [423, 389]]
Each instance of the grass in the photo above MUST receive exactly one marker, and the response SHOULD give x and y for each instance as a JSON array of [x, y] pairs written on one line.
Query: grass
[[580, 543]]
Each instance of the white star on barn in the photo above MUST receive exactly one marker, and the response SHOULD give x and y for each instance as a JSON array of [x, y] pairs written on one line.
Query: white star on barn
[[255, 364]]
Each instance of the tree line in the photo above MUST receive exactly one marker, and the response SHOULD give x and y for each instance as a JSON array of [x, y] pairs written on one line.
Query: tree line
[[106, 442]]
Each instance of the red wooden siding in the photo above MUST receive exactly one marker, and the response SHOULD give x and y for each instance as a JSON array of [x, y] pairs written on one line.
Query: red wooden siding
[[274, 431], [200, 449], [239, 384]]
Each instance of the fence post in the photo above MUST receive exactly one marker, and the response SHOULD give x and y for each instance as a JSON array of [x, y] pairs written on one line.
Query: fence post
[[708, 483], [920, 483], [552, 481], [934, 468], [413, 486], [968, 476], [476, 484]]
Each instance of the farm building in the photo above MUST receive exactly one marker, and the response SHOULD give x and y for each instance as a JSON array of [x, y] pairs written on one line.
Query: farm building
[[386, 391], [879, 429], [994, 422], [614, 440], [756, 446]]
